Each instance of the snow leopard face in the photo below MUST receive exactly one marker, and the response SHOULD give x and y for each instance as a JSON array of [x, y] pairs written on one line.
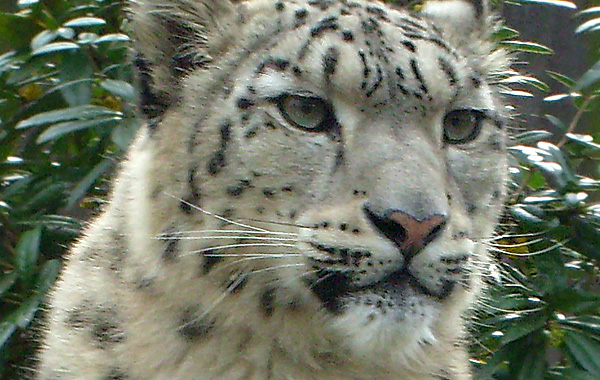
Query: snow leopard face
[[314, 188]]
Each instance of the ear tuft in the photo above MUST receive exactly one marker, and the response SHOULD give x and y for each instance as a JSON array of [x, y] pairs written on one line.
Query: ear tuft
[[174, 37]]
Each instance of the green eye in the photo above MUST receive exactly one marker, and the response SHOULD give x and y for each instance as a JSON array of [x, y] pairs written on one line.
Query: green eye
[[306, 112], [462, 126]]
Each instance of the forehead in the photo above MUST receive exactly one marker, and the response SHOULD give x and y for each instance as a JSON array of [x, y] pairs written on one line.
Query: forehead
[[364, 47]]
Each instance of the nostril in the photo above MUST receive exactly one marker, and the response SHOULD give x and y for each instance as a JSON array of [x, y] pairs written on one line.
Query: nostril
[[434, 232], [389, 228], [406, 231]]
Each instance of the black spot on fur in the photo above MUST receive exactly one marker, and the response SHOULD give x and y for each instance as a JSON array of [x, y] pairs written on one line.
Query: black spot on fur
[[116, 374], [101, 321], [448, 70], [194, 327], [171, 250], [267, 300], [106, 329], [238, 189], [209, 262], [409, 45], [218, 162], [152, 103], [330, 61], [279, 6], [321, 4], [245, 103], [300, 16], [328, 23], [347, 35]]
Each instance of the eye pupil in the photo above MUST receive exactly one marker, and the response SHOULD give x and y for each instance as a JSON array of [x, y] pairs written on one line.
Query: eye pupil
[[305, 112], [463, 125]]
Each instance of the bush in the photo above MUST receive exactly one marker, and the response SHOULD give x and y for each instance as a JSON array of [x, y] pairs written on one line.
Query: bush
[[66, 116]]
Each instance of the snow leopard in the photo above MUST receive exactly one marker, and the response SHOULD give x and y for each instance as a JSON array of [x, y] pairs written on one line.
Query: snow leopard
[[309, 198]]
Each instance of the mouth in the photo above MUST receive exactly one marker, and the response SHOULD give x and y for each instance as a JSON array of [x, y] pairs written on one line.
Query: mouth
[[334, 288]]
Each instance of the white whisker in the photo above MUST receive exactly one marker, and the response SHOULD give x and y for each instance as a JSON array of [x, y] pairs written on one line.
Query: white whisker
[[241, 246], [217, 216]]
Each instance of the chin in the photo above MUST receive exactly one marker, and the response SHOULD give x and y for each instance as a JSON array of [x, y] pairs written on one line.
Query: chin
[[389, 326]]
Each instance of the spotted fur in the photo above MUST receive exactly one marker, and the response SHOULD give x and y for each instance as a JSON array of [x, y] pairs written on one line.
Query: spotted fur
[[309, 199]]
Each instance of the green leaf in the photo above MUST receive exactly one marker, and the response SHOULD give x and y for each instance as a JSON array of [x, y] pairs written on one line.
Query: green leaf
[[61, 129], [88, 181], [522, 79], [588, 25], [590, 79], [530, 47], [532, 136], [80, 112], [113, 37], [119, 88], [505, 33], [27, 253], [76, 66], [585, 351], [561, 78], [6, 331], [43, 38], [589, 324], [591, 10], [557, 3], [47, 276], [7, 280], [55, 47], [556, 122], [532, 218], [84, 21]]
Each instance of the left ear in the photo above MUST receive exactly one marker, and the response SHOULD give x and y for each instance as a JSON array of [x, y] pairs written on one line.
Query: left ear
[[461, 21]]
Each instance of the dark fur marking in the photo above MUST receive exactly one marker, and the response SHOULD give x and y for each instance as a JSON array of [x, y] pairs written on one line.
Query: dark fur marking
[[192, 327], [414, 66], [218, 162], [410, 46], [245, 103], [153, 104], [378, 80], [267, 300], [268, 192], [448, 70], [330, 61], [105, 327], [277, 63], [171, 250], [116, 374], [300, 16], [328, 23], [239, 188], [347, 35], [363, 59], [279, 6], [209, 262], [321, 4]]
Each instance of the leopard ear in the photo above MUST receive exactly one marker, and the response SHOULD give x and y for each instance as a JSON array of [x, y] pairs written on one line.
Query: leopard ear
[[460, 20], [174, 37]]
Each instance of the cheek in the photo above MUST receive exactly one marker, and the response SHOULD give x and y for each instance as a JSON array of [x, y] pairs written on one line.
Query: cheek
[[279, 157]]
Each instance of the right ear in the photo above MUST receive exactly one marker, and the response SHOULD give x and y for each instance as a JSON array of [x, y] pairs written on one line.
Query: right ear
[[174, 37]]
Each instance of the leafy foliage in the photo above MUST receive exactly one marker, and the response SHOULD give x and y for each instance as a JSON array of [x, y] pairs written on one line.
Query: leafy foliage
[[66, 115]]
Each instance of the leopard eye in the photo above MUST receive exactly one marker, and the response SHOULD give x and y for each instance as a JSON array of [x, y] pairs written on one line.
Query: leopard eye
[[462, 126], [306, 112]]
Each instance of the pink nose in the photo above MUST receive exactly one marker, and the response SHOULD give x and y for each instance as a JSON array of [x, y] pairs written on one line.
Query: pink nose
[[407, 232]]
